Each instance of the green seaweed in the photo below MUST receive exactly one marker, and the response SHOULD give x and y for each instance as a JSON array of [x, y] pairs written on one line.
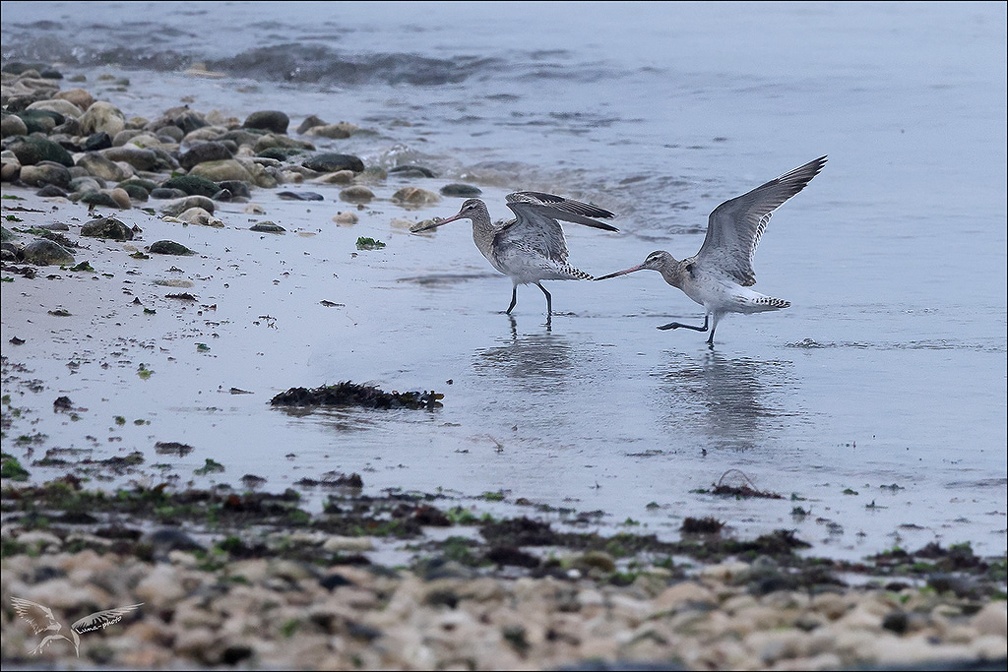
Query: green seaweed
[[369, 244]]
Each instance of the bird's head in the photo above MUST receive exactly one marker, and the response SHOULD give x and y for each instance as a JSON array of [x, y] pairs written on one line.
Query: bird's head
[[470, 209]]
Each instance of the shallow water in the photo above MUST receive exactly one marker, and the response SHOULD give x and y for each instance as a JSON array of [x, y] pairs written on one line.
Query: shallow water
[[889, 369]]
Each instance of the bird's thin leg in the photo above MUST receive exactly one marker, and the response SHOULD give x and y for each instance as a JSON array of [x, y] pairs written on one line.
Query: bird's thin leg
[[514, 299], [676, 325], [549, 299], [710, 341]]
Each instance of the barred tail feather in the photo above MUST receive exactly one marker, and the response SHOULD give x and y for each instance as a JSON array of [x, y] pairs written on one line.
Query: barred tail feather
[[754, 302], [577, 274], [772, 303]]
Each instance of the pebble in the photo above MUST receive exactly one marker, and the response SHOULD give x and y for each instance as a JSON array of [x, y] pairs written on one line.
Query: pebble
[[356, 194], [345, 218], [43, 252]]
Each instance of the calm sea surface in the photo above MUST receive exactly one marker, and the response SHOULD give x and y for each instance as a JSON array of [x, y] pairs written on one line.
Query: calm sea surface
[[878, 399]]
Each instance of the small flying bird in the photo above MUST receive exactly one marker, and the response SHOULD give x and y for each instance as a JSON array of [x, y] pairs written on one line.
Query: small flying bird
[[531, 247], [720, 275], [41, 619]]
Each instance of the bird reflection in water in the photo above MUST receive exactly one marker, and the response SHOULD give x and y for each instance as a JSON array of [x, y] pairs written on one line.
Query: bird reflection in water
[[532, 358], [737, 403]]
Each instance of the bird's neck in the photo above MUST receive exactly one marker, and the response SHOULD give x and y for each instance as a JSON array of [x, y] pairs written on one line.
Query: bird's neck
[[675, 272], [483, 231]]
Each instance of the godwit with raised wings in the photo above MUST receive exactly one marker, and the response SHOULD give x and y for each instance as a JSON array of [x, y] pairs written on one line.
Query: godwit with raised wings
[[720, 275], [531, 247]]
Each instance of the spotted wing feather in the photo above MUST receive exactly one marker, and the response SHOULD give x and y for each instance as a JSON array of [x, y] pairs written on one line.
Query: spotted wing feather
[[736, 226], [535, 205]]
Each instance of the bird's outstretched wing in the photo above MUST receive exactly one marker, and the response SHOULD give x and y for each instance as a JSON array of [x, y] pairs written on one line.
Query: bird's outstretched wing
[[537, 205], [39, 617], [736, 226], [100, 619]]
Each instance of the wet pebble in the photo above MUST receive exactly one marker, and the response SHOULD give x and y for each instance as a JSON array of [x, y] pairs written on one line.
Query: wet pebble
[[415, 197], [239, 189], [357, 194], [460, 190], [34, 150], [411, 171], [167, 193], [330, 163], [63, 108], [225, 170], [42, 252], [139, 158], [269, 120], [197, 216], [107, 227], [102, 117], [102, 168], [267, 227], [40, 121], [300, 196], [192, 185], [345, 218], [96, 142], [169, 247], [51, 191], [177, 206], [205, 151], [339, 177], [333, 131], [104, 198], [12, 125], [46, 172]]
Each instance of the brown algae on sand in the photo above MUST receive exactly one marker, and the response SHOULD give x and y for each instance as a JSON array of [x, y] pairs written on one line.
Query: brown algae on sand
[[353, 394]]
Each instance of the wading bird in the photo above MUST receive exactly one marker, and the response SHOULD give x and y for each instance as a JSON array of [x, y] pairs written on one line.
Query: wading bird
[[531, 247], [720, 275]]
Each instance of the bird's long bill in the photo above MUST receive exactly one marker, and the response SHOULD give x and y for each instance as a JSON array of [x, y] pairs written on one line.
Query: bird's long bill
[[432, 224], [639, 267]]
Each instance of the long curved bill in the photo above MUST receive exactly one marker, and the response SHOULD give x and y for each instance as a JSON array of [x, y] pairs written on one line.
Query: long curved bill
[[639, 267], [429, 224]]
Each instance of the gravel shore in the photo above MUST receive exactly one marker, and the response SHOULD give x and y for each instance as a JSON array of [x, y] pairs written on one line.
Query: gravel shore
[[260, 587]]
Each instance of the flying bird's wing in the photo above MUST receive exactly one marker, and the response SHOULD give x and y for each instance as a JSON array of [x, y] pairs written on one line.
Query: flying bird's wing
[[736, 226], [101, 619], [535, 204], [40, 618]]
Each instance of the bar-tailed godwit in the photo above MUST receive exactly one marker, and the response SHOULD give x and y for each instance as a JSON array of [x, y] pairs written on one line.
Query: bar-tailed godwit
[[531, 247], [720, 275]]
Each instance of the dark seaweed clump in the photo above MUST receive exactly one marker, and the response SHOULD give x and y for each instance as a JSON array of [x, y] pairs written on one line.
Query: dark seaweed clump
[[352, 394]]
